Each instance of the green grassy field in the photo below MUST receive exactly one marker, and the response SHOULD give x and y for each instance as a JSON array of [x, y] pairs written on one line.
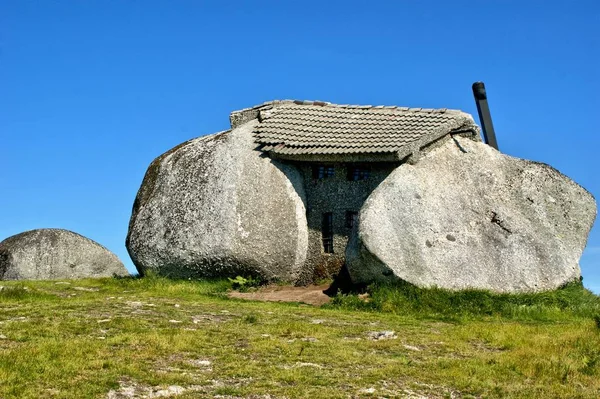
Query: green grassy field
[[152, 337]]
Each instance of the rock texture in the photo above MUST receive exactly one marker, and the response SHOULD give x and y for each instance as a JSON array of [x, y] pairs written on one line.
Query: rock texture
[[467, 216], [48, 254], [215, 206]]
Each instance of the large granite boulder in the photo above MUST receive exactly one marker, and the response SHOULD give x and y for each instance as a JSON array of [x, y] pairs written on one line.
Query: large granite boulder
[[214, 207], [467, 216], [48, 254]]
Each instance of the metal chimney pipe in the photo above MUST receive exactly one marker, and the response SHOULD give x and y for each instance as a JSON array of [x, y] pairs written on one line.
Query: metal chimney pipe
[[485, 118]]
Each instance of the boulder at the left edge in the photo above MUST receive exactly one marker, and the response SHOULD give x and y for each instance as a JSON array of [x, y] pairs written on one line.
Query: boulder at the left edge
[[217, 207], [49, 254]]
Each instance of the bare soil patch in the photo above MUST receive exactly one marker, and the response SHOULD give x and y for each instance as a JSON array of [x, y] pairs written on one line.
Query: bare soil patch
[[312, 294]]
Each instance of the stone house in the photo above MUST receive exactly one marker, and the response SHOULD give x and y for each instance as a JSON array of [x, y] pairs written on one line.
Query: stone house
[[296, 189], [343, 153]]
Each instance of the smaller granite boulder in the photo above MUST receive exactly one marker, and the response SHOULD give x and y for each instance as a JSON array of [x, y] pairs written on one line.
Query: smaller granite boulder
[[467, 216], [48, 254]]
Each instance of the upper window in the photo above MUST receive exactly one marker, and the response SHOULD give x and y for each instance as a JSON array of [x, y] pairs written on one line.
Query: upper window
[[358, 172], [322, 171]]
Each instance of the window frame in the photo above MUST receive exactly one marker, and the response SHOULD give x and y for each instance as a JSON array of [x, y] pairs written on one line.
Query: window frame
[[323, 171], [351, 218], [358, 172], [327, 232]]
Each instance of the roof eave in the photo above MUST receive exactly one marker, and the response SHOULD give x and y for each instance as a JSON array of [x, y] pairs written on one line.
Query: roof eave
[[338, 158], [413, 149]]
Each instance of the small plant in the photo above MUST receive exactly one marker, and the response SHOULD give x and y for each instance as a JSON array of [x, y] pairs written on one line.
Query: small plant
[[251, 318], [243, 284], [597, 320]]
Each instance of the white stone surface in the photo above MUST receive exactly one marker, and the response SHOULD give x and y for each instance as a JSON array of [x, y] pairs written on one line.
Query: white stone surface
[[214, 207], [49, 254], [467, 216]]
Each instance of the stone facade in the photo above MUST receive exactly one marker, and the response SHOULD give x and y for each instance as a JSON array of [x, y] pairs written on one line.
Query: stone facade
[[338, 195]]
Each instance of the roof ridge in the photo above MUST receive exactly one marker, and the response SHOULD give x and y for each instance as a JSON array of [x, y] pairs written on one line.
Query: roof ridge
[[275, 103]]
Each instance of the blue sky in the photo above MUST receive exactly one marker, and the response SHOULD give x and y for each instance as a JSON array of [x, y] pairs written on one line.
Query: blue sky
[[92, 91]]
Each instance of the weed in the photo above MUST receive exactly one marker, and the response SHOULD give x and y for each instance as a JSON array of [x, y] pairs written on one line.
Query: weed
[[244, 284], [251, 318], [597, 321]]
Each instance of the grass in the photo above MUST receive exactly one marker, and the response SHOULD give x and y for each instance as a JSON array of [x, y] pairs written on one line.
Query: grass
[[571, 301], [82, 339]]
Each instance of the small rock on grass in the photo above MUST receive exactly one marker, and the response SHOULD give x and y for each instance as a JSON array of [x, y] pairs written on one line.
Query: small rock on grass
[[367, 390], [306, 364], [200, 362], [135, 390], [86, 289], [379, 335]]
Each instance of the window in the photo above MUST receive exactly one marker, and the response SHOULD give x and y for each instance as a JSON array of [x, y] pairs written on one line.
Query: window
[[327, 232], [351, 218], [322, 171], [358, 172]]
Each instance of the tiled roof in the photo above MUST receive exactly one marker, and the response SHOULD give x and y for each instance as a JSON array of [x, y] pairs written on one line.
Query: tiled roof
[[302, 127]]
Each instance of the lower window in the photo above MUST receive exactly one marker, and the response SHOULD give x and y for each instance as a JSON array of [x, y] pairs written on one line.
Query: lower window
[[351, 218], [327, 232]]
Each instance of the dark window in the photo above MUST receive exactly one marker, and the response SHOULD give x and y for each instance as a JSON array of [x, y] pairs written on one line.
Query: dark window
[[327, 232], [351, 218], [358, 172], [322, 171]]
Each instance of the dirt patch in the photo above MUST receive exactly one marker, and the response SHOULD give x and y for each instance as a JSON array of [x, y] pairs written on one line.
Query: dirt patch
[[312, 294]]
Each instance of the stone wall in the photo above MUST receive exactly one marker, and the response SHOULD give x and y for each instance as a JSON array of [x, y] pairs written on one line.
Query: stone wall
[[337, 195]]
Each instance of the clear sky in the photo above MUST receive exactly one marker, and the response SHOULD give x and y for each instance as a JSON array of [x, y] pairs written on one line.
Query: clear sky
[[92, 91]]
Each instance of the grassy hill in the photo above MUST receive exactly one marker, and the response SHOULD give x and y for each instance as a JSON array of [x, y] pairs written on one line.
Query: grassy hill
[[153, 337]]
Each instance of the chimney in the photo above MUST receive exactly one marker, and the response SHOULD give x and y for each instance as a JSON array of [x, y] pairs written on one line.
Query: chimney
[[485, 118]]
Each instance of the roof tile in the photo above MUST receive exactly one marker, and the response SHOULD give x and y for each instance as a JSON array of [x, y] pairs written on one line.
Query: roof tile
[[316, 127]]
